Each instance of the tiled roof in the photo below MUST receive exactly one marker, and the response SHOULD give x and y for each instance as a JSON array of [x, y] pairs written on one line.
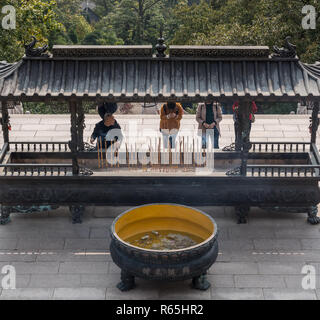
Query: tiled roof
[[141, 78]]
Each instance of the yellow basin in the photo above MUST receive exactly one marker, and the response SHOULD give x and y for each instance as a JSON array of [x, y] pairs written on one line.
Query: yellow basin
[[162, 217]]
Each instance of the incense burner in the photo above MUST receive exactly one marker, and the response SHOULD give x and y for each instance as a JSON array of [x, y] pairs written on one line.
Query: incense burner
[[181, 264]]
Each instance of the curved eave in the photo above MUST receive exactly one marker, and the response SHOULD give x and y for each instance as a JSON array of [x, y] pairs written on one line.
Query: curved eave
[[150, 79]]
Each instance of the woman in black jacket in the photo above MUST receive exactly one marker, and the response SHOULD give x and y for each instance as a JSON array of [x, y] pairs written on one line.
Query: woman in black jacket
[[108, 131]]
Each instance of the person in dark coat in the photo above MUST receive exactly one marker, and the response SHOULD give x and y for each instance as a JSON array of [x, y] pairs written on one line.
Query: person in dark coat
[[108, 131]]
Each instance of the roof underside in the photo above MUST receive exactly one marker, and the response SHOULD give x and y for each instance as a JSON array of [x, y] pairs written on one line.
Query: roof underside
[[153, 79]]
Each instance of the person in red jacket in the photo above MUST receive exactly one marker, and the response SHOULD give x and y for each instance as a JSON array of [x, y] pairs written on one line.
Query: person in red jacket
[[242, 127]]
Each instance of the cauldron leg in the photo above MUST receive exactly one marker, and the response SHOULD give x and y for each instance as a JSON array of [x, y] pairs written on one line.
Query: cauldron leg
[[76, 213], [242, 213], [127, 281], [201, 282], [312, 215], [5, 215]]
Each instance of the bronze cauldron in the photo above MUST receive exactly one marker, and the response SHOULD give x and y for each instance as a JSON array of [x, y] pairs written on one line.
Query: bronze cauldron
[[178, 264]]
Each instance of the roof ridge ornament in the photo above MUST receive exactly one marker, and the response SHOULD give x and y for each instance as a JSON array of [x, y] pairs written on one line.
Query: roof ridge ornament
[[161, 46], [31, 51], [288, 51]]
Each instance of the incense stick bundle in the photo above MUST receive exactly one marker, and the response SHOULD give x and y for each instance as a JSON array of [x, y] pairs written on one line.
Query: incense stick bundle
[[98, 153], [170, 156], [127, 155], [111, 155], [105, 147], [101, 153], [193, 158], [159, 152]]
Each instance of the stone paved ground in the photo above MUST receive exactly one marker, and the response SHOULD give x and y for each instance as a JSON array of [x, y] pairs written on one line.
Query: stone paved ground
[[55, 259], [269, 128]]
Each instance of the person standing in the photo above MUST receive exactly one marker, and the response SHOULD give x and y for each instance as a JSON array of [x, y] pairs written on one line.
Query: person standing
[[242, 125], [170, 116], [209, 115], [108, 131]]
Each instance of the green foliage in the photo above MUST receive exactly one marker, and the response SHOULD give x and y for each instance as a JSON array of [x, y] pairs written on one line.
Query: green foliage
[[277, 108], [104, 7], [137, 21], [54, 107], [245, 22], [75, 26], [263, 108], [33, 17], [134, 22], [104, 34]]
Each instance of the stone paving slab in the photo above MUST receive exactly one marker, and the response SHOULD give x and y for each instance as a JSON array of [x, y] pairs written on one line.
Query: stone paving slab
[[252, 270], [54, 280], [77, 293], [55, 259], [259, 281], [27, 294], [237, 294], [289, 294], [269, 128]]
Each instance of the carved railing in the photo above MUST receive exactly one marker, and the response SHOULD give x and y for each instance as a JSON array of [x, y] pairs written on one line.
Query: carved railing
[[287, 171], [35, 169], [39, 146], [280, 147], [275, 147]]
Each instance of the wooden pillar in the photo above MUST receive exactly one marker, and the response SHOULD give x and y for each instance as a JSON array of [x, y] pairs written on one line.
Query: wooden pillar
[[74, 137], [80, 125], [315, 122], [5, 121], [245, 125]]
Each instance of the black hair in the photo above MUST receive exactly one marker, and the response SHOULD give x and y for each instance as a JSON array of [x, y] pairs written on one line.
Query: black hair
[[171, 105], [107, 107]]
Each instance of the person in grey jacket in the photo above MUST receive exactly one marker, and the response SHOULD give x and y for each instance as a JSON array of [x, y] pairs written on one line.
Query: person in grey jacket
[[209, 116]]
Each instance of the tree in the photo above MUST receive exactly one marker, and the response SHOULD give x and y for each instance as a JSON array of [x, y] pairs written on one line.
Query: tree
[[75, 26], [246, 22], [104, 7], [138, 21], [33, 17], [104, 34]]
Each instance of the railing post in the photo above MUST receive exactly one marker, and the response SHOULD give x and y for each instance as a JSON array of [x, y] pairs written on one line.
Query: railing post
[[314, 122], [74, 137], [5, 122]]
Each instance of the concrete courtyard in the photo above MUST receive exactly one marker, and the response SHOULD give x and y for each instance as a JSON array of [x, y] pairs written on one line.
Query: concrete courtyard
[[55, 259]]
